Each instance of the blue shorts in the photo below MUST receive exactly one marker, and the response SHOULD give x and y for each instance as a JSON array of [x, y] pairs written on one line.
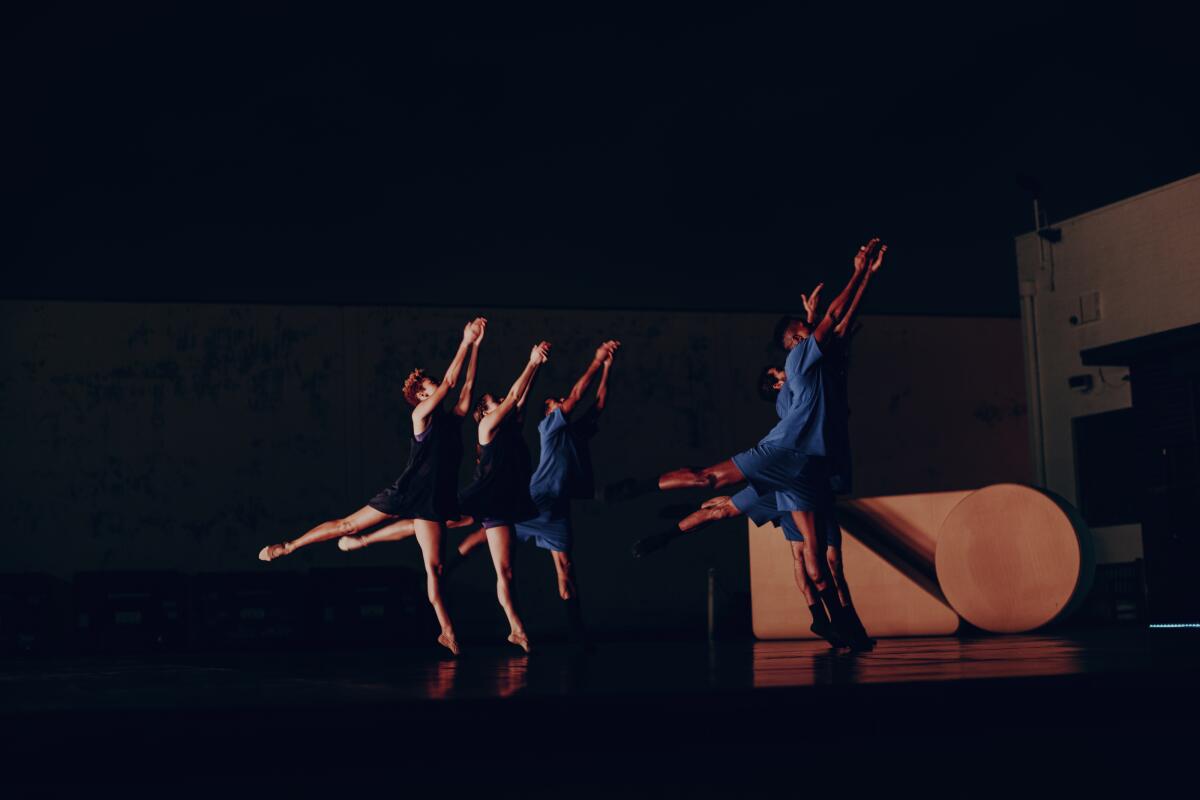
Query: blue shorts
[[798, 481], [550, 529], [492, 522], [763, 509]]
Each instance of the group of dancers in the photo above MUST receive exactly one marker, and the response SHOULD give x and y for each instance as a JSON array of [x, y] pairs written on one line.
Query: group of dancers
[[792, 475], [507, 498]]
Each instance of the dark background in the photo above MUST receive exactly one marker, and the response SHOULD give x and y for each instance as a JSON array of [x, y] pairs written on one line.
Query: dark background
[[579, 157]]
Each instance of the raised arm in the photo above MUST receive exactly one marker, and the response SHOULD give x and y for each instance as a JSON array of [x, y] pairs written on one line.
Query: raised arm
[[420, 414], [602, 389], [843, 327], [463, 406], [842, 305], [810, 303], [487, 425], [603, 352]]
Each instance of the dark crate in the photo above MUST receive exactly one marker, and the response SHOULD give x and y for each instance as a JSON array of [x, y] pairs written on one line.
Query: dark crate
[[34, 613], [369, 606], [248, 610], [130, 611]]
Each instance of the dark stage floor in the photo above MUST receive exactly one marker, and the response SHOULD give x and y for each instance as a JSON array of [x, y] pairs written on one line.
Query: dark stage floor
[[625, 715]]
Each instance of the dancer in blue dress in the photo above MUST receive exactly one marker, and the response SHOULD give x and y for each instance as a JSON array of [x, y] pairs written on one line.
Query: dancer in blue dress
[[791, 462]]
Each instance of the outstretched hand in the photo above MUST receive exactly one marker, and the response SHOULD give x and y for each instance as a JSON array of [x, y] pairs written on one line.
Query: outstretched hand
[[862, 257], [540, 353], [877, 262], [604, 353], [473, 330], [810, 302]]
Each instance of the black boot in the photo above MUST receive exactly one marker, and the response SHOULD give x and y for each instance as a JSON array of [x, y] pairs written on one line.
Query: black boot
[[843, 625], [822, 627]]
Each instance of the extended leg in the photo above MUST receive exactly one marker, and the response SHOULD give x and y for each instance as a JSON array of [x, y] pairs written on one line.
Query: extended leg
[[722, 508], [471, 541], [564, 568], [429, 536], [714, 477], [500, 543], [392, 532], [365, 517]]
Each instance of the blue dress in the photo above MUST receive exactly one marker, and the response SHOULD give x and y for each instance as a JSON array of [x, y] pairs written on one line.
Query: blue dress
[[564, 471]]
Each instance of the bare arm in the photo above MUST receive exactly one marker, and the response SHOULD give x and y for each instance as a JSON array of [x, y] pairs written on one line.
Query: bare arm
[[581, 385], [842, 327], [839, 308], [602, 389], [810, 303], [464, 397], [845, 325], [420, 414], [488, 425]]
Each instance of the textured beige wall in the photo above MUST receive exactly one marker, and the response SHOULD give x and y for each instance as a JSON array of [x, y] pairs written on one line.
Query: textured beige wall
[[1143, 256], [187, 436]]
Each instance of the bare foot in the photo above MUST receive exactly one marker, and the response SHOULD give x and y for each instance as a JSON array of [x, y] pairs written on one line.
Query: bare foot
[[520, 640], [273, 551], [448, 641], [348, 544]]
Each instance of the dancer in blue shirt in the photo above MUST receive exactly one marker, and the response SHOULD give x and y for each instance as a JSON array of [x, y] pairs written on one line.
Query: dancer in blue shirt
[[792, 462]]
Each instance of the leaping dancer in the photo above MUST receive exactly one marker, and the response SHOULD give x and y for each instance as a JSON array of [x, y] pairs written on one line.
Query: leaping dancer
[[425, 494], [564, 472], [791, 462], [773, 386], [499, 494]]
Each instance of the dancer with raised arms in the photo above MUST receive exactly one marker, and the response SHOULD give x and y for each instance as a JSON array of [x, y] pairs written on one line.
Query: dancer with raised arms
[[499, 494], [564, 472], [426, 492], [791, 462]]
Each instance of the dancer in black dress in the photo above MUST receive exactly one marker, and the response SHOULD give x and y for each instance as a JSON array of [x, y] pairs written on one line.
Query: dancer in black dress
[[425, 492], [499, 495], [404, 528]]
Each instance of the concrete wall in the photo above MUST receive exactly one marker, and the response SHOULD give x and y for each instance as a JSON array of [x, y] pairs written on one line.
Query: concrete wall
[[1142, 256], [187, 436]]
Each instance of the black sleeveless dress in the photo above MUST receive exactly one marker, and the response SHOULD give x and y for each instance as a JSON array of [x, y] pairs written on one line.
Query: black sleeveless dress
[[499, 492], [427, 489]]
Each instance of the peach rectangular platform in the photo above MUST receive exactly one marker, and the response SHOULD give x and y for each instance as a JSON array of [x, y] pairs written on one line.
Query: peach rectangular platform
[[888, 549]]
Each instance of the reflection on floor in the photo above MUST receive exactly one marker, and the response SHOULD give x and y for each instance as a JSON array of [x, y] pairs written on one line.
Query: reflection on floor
[[619, 711]]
